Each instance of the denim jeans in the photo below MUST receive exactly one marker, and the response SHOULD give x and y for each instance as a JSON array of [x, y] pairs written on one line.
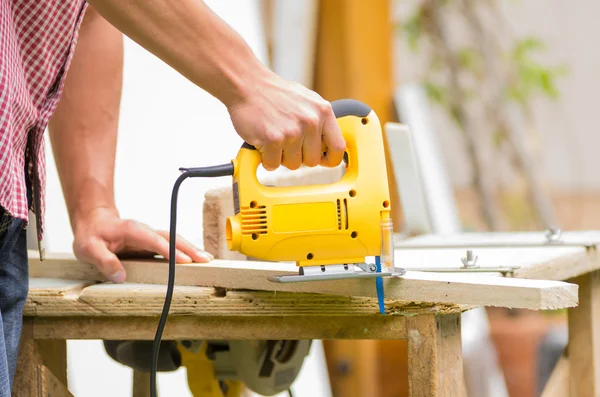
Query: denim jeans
[[14, 283]]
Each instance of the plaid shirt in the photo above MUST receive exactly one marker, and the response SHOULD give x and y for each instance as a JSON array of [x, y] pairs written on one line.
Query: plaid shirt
[[37, 40]]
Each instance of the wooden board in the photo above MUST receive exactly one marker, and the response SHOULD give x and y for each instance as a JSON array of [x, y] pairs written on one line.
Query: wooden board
[[147, 300], [217, 206], [466, 289], [222, 328], [550, 263]]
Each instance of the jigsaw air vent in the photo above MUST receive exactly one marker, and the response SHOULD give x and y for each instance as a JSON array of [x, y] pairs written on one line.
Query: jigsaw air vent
[[339, 214], [342, 214], [254, 220], [346, 213]]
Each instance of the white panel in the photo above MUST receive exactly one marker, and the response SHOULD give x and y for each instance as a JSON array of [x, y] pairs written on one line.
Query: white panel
[[414, 110], [408, 179]]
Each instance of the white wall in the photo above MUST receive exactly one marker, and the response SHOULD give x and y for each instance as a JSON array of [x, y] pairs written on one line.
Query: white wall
[[166, 122]]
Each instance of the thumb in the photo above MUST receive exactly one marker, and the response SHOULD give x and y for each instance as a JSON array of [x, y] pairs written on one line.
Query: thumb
[[96, 252]]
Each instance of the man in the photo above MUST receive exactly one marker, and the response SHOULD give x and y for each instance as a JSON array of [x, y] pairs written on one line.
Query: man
[[285, 121]]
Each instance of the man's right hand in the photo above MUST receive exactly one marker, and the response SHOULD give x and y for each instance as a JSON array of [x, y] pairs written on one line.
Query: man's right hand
[[289, 124]]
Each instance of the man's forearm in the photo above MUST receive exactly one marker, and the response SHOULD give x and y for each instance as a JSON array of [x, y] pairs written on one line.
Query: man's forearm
[[187, 35], [83, 130]]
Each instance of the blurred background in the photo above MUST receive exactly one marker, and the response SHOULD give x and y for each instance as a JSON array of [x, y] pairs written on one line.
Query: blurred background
[[510, 90]]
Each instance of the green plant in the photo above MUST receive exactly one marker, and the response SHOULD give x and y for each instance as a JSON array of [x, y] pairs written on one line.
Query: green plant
[[486, 80]]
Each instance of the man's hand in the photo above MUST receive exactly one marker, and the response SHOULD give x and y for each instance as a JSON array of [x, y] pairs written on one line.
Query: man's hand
[[289, 124], [103, 236]]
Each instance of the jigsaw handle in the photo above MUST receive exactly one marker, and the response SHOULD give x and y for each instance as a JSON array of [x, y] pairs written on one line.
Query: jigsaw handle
[[341, 108]]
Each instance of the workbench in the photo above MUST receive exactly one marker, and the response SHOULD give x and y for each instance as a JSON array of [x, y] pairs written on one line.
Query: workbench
[[571, 256], [232, 299], [61, 309]]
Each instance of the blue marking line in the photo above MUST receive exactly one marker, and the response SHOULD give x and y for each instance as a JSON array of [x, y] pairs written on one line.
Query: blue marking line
[[379, 285]]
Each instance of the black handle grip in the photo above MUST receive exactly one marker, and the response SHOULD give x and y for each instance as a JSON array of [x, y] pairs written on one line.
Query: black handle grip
[[341, 108], [246, 145], [350, 107]]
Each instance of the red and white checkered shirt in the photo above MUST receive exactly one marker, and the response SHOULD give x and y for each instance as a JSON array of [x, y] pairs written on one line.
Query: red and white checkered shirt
[[37, 40]]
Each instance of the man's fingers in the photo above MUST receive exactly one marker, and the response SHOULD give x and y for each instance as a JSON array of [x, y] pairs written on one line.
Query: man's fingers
[[187, 248], [292, 155], [333, 139], [142, 236], [97, 253], [311, 148], [271, 157]]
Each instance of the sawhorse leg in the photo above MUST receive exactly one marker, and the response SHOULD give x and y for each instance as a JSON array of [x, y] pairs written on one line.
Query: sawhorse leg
[[435, 365], [578, 371], [584, 331], [41, 366]]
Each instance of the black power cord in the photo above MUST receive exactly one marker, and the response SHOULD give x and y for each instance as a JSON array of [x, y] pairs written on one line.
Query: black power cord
[[200, 172]]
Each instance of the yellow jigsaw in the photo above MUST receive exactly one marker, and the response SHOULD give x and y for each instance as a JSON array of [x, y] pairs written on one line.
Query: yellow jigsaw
[[326, 229]]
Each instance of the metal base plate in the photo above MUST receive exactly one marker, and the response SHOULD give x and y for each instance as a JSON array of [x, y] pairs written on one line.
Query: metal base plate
[[334, 272]]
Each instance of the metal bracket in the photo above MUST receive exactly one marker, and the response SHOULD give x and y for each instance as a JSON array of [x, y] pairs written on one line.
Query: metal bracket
[[488, 269], [335, 272], [469, 266]]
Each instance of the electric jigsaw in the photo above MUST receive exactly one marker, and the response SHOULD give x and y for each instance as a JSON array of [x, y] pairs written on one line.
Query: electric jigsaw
[[328, 230]]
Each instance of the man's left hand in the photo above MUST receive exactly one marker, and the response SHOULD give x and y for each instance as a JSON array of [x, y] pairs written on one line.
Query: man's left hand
[[103, 236]]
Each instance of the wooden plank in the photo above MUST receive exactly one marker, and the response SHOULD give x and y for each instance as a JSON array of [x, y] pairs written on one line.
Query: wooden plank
[[435, 364], [217, 206], [50, 385], [558, 383], [584, 334], [52, 295], [547, 263], [221, 328], [467, 289], [148, 299]]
